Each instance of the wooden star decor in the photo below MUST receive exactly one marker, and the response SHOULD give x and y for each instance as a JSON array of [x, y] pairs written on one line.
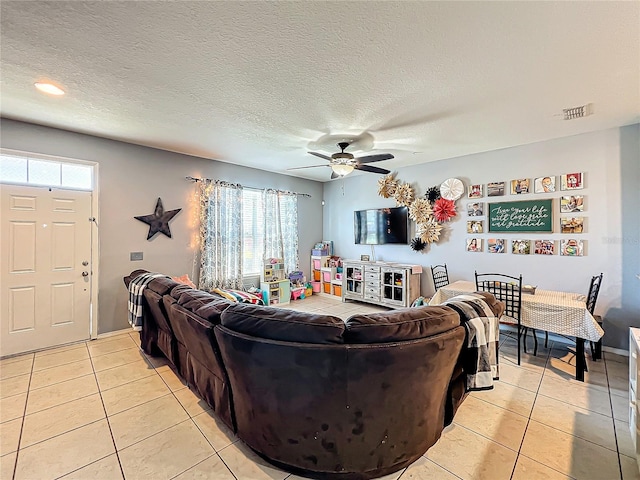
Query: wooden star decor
[[158, 221]]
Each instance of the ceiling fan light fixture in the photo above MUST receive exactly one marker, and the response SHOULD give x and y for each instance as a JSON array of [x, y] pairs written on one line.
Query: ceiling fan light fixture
[[49, 88], [342, 169]]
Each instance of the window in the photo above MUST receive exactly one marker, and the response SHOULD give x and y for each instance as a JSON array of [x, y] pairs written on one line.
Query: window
[[269, 229], [50, 173], [240, 227], [252, 232]]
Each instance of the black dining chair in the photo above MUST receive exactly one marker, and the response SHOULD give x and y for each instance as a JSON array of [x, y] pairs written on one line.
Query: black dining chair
[[440, 276], [592, 297], [507, 289]]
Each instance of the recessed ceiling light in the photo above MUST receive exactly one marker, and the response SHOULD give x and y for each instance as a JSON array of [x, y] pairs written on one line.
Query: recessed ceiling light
[[49, 88]]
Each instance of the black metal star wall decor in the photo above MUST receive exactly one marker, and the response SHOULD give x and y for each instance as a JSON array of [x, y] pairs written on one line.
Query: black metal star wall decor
[[158, 221]]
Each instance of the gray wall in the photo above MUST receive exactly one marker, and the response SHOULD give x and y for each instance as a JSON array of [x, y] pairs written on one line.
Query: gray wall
[[131, 178], [628, 314], [610, 161]]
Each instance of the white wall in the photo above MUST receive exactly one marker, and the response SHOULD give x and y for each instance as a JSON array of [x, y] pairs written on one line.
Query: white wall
[[597, 154], [131, 178]]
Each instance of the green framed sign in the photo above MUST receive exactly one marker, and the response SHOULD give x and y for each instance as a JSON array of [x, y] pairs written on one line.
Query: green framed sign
[[524, 216]]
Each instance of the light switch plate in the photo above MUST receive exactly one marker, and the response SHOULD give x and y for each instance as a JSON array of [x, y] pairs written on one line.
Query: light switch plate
[[134, 256]]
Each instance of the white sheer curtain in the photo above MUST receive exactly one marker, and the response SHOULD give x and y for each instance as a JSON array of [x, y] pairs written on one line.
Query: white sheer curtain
[[220, 235], [280, 220]]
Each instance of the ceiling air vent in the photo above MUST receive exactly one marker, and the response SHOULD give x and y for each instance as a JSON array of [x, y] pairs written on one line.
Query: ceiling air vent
[[577, 112]]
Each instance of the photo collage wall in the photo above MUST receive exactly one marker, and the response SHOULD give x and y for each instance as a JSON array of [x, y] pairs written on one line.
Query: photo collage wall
[[570, 207]]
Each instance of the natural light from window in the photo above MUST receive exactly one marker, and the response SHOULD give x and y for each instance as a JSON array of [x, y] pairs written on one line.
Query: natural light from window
[[48, 173], [252, 233]]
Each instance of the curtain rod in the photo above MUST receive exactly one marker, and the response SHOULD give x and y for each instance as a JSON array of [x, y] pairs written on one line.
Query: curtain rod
[[193, 179]]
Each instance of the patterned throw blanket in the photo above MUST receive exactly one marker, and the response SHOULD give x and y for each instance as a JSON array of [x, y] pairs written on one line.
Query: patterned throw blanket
[[483, 332], [136, 289]]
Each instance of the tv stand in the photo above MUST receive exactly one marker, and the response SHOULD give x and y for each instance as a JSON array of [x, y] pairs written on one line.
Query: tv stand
[[390, 285]]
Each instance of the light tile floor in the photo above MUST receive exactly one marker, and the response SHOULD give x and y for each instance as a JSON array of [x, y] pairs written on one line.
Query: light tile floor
[[103, 410]]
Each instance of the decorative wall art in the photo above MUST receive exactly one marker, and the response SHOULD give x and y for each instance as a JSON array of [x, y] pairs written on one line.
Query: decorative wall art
[[521, 247], [475, 209], [444, 210], [496, 245], [525, 216], [571, 248], [495, 189], [451, 189], [159, 220], [519, 186], [475, 226], [544, 247], [474, 244], [544, 185], [572, 181], [572, 203], [475, 191], [572, 225], [428, 212]]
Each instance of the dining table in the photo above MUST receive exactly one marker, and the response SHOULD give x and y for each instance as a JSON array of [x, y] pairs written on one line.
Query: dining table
[[563, 313]]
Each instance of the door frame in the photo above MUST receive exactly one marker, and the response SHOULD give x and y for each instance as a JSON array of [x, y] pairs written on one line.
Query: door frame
[[95, 211]]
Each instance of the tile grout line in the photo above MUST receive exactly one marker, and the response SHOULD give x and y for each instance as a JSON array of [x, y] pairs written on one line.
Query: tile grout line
[[214, 454], [79, 360], [172, 392], [613, 419], [104, 408], [524, 435], [26, 401]]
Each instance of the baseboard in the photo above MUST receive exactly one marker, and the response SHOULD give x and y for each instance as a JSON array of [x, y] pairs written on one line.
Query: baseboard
[[115, 332], [617, 351], [568, 341]]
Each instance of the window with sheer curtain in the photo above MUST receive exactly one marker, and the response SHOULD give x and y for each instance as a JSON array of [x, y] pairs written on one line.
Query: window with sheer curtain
[[240, 227]]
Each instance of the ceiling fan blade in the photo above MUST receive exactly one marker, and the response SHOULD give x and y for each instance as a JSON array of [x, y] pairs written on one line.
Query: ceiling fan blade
[[334, 175], [309, 166], [367, 168], [374, 158], [320, 155]]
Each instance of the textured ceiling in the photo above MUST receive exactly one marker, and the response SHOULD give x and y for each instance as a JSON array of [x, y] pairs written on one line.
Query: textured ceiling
[[261, 83]]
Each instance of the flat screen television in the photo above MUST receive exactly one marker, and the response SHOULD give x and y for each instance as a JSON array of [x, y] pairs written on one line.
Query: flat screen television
[[380, 226]]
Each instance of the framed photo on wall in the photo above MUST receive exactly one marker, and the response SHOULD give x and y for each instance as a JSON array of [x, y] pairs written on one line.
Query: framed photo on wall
[[495, 189], [496, 245], [571, 203], [519, 186], [545, 184], [474, 244], [544, 247], [521, 247], [475, 209], [475, 191], [364, 258], [571, 248], [572, 181], [572, 225], [475, 226]]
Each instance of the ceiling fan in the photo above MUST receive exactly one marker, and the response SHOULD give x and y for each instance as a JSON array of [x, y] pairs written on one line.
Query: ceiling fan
[[343, 163]]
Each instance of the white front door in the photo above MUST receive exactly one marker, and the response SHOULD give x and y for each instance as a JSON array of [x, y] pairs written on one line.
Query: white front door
[[45, 289]]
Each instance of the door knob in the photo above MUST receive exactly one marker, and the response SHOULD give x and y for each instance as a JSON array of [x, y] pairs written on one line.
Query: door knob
[[85, 263], [85, 274]]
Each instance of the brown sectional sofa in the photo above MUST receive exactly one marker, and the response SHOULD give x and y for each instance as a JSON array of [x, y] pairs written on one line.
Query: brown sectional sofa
[[311, 393]]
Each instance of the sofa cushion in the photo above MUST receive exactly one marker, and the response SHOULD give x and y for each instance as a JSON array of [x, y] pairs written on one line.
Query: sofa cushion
[[285, 325], [179, 289], [162, 285], [205, 305], [399, 325]]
